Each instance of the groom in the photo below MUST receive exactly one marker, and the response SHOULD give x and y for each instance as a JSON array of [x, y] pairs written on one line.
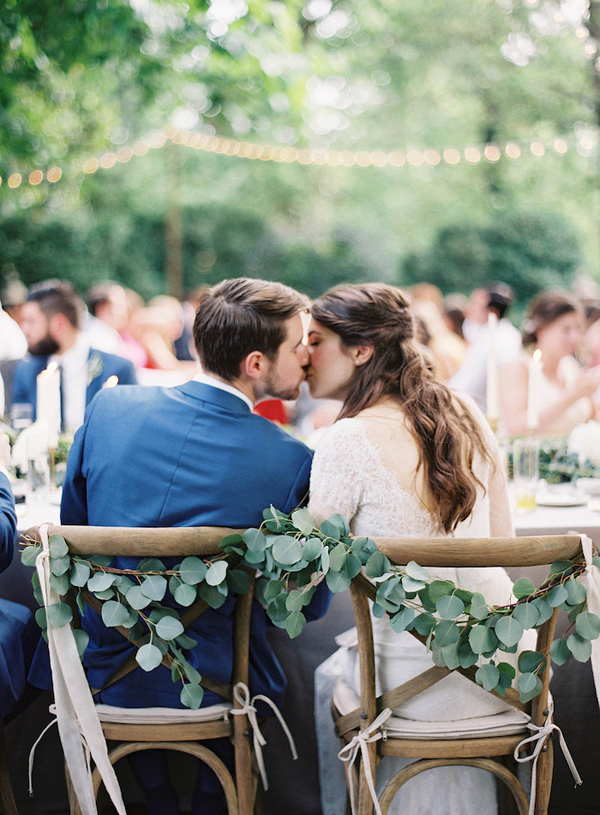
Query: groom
[[196, 455]]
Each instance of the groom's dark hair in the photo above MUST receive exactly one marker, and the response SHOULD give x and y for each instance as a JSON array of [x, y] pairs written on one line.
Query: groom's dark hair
[[239, 316]]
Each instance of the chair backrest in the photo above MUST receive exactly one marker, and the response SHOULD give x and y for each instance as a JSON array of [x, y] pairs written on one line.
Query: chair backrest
[[458, 553]]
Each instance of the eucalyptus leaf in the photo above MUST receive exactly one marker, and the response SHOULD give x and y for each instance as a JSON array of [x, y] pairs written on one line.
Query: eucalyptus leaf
[[80, 573], [417, 572], [530, 686], [527, 614], [587, 625], [107, 594], [302, 520], [576, 592], [169, 628], [287, 551], [255, 540], [100, 581], [363, 548], [411, 585], [487, 676], [295, 623], [446, 632], [466, 656], [40, 617], [232, 542], [337, 581], [482, 639], [136, 598], [560, 651], [509, 631], [530, 661], [478, 607], [148, 657], [377, 565], [325, 560], [81, 640], [378, 611], [336, 526], [424, 624], [29, 555], [58, 546], [192, 570], [212, 595], [440, 588], [60, 565], [403, 619], [352, 566], [114, 614], [191, 673], [312, 549], [184, 594], [273, 588], [557, 596], [337, 556], [186, 642], [560, 567], [449, 607], [217, 572], [60, 583], [238, 581], [293, 601], [447, 655], [191, 696], [544, 608], [579, 647], [523, 588], [59, 614], [151, 564], [154, 586]]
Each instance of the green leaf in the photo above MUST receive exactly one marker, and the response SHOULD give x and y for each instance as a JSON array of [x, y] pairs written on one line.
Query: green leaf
[[232, 542], [151, 564], [487, 676], [587, 625], [337, 581], [466, 657], [509, 631], [325, 560], [213, 595], [101, 561], [101, 581], [559, 651], [59, 614], [402, 620], [184, 594], [377, 565], [80, 573], [560, 567], [29, 555], [507, 673], [411, 585], [154, 586], [148, 657], [447, 655], [114, 613], [58, 546], [169, 628], [217, 572], [40, 618], [107, 594], [530, 661], [136, 598], [238, 581], [60, 583], [576, 592], [530, 686], [446, 632], [186, 642], [478, 608], [482, 639], [192, 570], [417, 572], [363, 548], [287, 550], [191, 696], [295, 623], [336, 527], [580, 648], [191, 673], [544, 608], [81, 640], [255, 540], [352, 566], [523, 588], [527, 614], [440, 588], [312, 549], [302, 520], [337, 556], [273, 588], [293, 601], [557, 596], [449, 607], [60, 565], [424, 624]]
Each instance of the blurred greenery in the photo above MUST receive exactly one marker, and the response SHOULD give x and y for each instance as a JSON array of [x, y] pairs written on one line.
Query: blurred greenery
[[80, 78]]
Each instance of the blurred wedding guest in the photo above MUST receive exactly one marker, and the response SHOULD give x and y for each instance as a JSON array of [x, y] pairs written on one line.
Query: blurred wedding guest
[[13, 295], [446, 348], [553, 324], [589, 351], [471, 377], [51, 324], [453, 313], [107, 325], [13, 344], [157, 328]]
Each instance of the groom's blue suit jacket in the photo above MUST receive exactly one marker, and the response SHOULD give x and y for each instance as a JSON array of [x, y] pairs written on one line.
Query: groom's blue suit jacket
[[192, 455]]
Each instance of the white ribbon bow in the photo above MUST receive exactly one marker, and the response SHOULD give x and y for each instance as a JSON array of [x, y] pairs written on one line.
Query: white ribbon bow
[[539, 737], [241, 694], [349, 754], [78, 723]]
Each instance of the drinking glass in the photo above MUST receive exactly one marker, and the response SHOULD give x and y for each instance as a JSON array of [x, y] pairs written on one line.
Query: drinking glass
[[526, 454], [21, 415]]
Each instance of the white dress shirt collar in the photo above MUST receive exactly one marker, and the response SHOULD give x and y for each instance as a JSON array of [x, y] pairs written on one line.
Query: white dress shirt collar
[[207, 379]]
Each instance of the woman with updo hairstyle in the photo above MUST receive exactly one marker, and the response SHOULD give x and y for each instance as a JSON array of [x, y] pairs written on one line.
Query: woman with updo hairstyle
[[554, 324], [406, 457]]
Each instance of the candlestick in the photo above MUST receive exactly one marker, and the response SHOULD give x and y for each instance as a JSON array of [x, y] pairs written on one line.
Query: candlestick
[[492, 406], [48, 402], [533, 390]]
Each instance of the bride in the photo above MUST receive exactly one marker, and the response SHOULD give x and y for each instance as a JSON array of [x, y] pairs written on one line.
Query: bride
[[406, 457]]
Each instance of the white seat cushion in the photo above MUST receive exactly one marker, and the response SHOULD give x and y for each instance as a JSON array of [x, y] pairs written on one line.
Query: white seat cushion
[[161, 715]]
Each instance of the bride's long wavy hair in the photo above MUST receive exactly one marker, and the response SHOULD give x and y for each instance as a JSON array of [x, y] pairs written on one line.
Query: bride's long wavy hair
[[447, 434]]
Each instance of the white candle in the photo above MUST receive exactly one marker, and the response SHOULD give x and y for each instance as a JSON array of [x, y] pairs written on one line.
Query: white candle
[[493, 410], [533, 391], [48, 402]]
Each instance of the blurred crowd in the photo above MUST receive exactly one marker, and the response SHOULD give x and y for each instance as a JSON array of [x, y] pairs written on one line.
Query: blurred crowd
[[91, 339]]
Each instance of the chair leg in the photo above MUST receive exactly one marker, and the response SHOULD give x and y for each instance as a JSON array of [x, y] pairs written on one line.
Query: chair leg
[[243, 765], [544, 778], [7, 798]]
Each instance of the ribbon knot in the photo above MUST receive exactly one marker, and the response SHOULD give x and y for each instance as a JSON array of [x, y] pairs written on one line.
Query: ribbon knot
[[349, 754], [540, 736], [241, 695]]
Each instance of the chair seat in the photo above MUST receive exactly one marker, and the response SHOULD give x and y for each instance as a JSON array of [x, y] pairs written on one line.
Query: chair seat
[[507, 723], [163, 724], [161, 715]]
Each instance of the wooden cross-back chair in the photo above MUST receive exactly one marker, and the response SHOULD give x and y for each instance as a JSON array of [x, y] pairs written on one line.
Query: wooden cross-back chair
[[184, 734], [490, 753]]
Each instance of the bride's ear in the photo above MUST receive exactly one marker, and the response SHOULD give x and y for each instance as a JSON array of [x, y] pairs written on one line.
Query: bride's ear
[[361, 354]]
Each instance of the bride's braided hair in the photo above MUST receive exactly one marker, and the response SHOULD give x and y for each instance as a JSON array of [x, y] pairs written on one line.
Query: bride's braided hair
[[447, 434]]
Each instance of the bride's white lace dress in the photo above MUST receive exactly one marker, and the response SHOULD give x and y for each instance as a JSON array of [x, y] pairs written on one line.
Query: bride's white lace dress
[[366, 469]]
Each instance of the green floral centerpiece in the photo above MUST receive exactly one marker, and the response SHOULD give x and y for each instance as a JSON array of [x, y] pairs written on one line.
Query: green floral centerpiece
[[292, 555]]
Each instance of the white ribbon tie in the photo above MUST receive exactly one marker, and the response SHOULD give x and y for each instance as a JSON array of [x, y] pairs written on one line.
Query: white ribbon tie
[[349, 754]]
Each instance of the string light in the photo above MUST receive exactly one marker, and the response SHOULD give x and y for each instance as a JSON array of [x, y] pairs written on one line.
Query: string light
[[491, 153]]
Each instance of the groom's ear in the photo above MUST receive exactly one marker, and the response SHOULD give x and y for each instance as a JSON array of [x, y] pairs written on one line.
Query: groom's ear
[[253, 365], [361, 354]]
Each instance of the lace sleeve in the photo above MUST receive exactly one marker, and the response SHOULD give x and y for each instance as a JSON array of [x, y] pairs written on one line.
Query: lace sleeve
[[336, 474]]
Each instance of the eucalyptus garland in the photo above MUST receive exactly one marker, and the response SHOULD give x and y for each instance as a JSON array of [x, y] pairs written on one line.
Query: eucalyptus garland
[[291, 555]]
